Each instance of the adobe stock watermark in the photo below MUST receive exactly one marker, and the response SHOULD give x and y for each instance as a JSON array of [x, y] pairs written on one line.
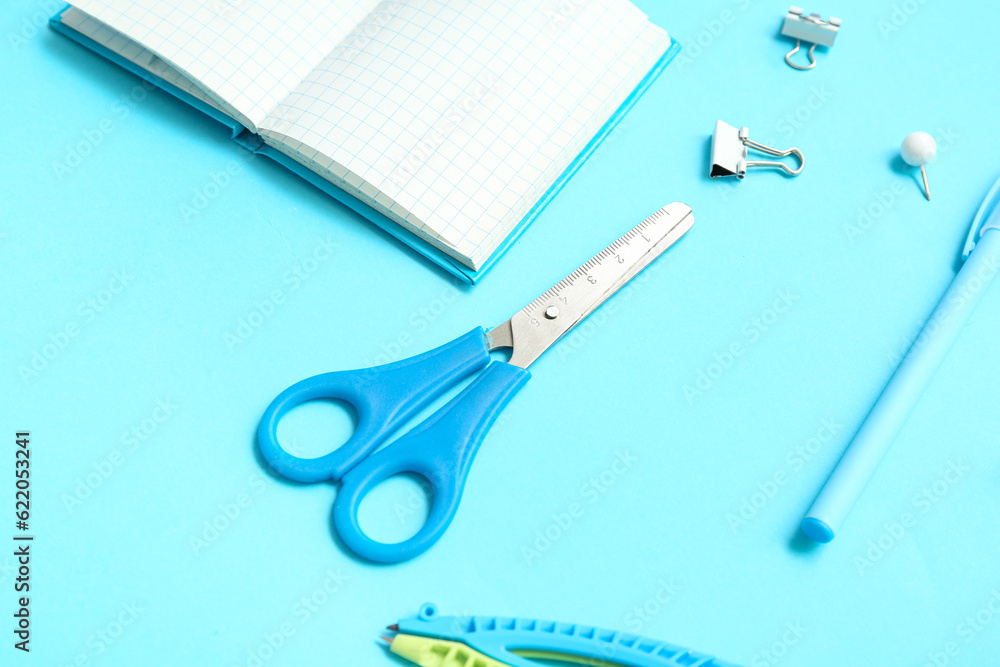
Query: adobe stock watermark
[[228, 9], [779, 648], [559, 14], [303, 610], [795, 460], [920, 504], [900, 15], [621, 129], [365, 33], [787, 126], [486, 90], [584, 332], [640, 615], [101, 641], [131, 441], [211, 189], [970, 627], [793, 121], [109, 634], [712, 29], [284, 118], [590, 492], [987, 272], [750, 333], [86, 312], [229, 512], [32, 24], [264, 309], [8, 568], [872, 211], [419, 320], [415, 503], [635, 620], [79, 150]]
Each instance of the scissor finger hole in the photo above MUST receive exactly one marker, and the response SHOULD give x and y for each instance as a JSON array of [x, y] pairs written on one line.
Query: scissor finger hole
[[396, 509], [501, 354], [317, 427]]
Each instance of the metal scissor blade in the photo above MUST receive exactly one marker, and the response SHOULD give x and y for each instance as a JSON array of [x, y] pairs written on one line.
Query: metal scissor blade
[[549, 317]]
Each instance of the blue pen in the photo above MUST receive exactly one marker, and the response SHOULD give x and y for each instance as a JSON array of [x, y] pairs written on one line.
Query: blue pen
[[981, 260]]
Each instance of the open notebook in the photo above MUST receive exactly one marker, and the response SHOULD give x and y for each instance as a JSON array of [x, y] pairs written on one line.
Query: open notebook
[[451, 118]]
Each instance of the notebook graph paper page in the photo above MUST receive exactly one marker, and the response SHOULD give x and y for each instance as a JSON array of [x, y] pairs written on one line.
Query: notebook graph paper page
[[126, 48], [248, 53], [455, 117]]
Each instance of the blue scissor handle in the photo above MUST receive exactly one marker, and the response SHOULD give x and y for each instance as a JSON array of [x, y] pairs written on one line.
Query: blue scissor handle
[[441, 450], [383, 396]]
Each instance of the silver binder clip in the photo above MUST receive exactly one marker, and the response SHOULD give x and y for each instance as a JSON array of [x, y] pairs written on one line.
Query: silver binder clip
[[808, 28], [729, 153]]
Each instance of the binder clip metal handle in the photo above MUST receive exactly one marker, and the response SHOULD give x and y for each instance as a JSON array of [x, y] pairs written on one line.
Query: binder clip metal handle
[[809, 28], [730, 148]]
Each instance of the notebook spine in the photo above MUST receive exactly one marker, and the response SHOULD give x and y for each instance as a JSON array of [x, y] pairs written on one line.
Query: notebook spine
[[248, 140]]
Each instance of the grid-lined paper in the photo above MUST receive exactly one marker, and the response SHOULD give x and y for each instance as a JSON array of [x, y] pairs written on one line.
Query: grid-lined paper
[[249, 53], [113, 40], [455, 117], [451, 117]]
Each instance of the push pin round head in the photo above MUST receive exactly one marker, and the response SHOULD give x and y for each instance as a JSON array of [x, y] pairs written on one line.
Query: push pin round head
[[918, 149]]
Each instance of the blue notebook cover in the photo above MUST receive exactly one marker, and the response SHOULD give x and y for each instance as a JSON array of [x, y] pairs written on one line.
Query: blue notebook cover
[[250, 141]]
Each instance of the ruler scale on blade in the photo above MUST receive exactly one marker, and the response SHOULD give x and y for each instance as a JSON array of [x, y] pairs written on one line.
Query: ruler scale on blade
[[442, 447], [549, 317]]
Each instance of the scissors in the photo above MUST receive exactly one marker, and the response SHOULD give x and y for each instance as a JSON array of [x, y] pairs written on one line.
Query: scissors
[[442, 447]]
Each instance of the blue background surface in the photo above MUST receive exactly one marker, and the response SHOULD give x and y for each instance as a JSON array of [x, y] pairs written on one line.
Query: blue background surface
[[143, 421]]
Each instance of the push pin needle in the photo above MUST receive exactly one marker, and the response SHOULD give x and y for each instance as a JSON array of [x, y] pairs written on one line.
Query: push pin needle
[[918, 149]]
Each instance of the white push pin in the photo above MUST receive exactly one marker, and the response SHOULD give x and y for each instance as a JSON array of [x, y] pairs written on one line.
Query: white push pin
[[918, 149]]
